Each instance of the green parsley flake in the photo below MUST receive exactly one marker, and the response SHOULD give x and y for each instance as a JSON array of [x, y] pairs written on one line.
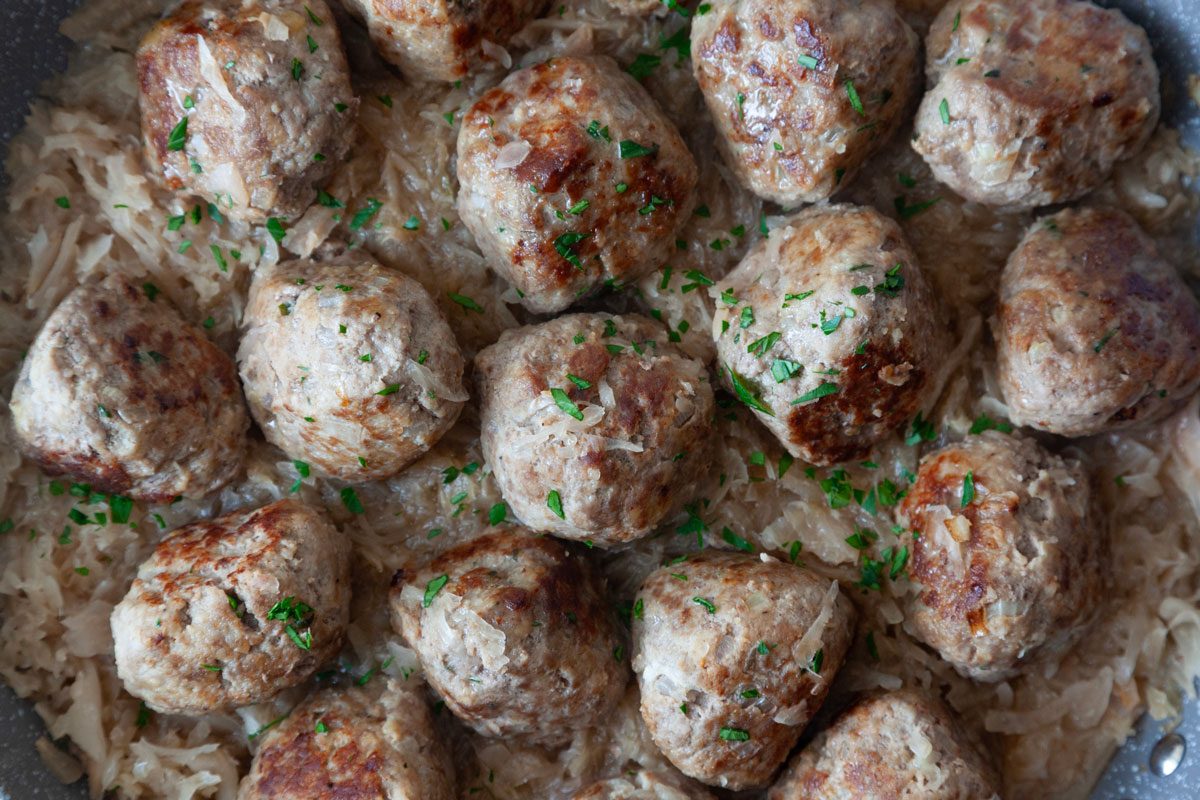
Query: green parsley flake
[[855, 101], [363, 216], [968, 488], [432, 588], [823, 390], [554, 503], [706, 604], [178, 136], [565, 403], [631, 149], [350, 500], [465, 302], [734, 735]]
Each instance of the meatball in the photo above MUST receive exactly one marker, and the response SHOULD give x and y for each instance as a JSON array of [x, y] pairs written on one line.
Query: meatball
[[240, 103], [1095, 331], [231, 611], [513, 632], [120, 392], [901, 744], [572, 179], [1010, 555], [734, 654], [349, 366], [828, 330], [594, 425], [442, 40], [360, 743], [1031, 102], [638, 785], [802, 92]]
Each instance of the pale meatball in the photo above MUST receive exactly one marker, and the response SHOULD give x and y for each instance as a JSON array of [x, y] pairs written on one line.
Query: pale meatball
[[572, 179], [596, 426], [1010, 555], [246, 104], [639, 785], [513, 631], [370, 743], [120, 392], [1031, 102], [229, 612], [803, 92], [734, 654], [440, 40], [829, 331], [349, 366], [901, 745], [1095, 331]]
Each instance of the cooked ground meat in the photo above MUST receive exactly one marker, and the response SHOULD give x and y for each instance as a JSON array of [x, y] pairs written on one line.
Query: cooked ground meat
[[901, 745], [231, 611], [240, 103], [1095, 331], [1031, 102], [829, 330], [572, 178], [802, 92], [734, 654], [349, 366], [441, 40], [620, 446], [1010, 554], [514, 633], [371, 743], [639, 785], [120, 392]]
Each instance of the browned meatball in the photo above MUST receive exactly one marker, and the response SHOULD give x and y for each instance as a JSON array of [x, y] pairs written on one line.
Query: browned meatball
[[572, 178], [803, 91], [349, 366], [120, 392], [350, 743], [246, 104], [514, 633], [1095, 330], [230, 612], [734, 654], [829, 330], [639, 785], [1011, 557], [595, 425], [444, 40], [902, 745], [1032, 101]]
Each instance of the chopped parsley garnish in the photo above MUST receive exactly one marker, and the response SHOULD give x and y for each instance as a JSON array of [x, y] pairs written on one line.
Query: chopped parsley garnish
[[578, 381], [855, 102], [907, 211], [178, 136], [706, 604], [746, 319], [390, 389], [759, 347], [968, 488], [631, 149], [807, 61], [596, 132], [413, 223], [944, 111], [817, 661], [565, 403], [276, 229], [985, 423], [369, 210], [297, 69], [564, 245], [893, 282], [922, 430], [742, 388], [497, 514], [643, 65], [1098, 346], [62, 202], [733, 539], [554, 503], [734, 735], [823, 390], [432, 588], [350, 500], [465, 302]]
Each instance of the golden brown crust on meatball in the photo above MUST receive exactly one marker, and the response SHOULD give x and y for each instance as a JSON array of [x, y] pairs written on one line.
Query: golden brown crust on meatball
[[828, 330], [901, 745], [440, 39], [802, 92], [734, 654], [1031, 102], [572, 177], [1095, 331], [229, 612], [514, 633], [1012, 561], [258, 99], [643, 440], [370, 743], [120, 392], [349, 366]]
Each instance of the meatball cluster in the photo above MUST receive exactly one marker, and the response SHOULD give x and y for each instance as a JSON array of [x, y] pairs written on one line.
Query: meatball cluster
[[1010, 554], [733, 655], [1095, 331], [230, 612], [372, 742], [802, 92], [246, 104], [120, 392], [349, 366], [828, 330], [1031, 102], [595, 425], [572, 179], [513, 632], [891, 745]]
